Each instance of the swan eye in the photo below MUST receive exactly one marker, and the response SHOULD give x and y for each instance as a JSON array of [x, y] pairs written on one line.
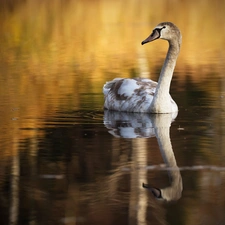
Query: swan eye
[[159, 30]]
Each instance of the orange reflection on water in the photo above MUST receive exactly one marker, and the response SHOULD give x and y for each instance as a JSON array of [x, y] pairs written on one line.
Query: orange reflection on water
[[53, 52], [49, 38], [56, 55]]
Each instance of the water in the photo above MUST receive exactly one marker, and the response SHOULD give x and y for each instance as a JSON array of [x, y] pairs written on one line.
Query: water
[[63, 160]]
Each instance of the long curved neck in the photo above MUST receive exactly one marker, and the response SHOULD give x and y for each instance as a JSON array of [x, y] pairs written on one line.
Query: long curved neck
[[168, 68], [162, 96]]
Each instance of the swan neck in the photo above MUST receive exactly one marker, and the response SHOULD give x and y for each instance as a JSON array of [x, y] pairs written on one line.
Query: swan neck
[[161, 102], [168, 68]]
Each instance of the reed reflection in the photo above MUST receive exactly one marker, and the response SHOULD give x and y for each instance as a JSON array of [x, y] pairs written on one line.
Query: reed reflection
[[135, 125]]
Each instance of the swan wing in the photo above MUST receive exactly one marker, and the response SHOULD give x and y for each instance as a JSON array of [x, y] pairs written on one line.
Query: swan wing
[[129, 95]]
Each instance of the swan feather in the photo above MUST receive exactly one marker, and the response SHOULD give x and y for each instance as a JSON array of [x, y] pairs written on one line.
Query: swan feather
[[130, 95]]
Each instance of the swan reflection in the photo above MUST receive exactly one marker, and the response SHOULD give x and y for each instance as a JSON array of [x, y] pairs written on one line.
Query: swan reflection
[[135, 125]]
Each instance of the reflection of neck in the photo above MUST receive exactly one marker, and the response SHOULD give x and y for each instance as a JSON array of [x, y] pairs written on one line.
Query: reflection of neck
[[162, 130]]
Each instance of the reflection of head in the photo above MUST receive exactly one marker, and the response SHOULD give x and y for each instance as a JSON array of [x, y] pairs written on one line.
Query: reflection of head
[[171, 193], [155, 191]]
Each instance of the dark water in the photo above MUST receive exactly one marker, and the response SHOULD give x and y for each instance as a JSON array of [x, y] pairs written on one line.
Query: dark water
[[77, 168], [64, 160]]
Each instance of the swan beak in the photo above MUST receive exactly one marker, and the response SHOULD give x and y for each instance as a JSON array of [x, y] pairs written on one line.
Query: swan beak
[[154, 35]]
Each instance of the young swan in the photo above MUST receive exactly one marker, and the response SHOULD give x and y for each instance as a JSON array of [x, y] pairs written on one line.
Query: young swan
[[145, 95]]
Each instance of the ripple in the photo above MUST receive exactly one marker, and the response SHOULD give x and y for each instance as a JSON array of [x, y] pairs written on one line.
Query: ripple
[[163, 167]]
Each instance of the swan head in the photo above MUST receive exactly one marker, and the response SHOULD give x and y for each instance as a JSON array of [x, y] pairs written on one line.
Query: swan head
[[167, 31]]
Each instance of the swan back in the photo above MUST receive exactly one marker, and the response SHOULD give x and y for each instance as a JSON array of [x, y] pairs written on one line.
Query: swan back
[[129, 95]]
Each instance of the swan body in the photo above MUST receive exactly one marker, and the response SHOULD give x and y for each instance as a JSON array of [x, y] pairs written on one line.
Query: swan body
[[145, 95]]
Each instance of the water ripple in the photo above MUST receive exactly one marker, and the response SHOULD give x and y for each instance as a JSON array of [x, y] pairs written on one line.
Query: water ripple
[[182, 168]]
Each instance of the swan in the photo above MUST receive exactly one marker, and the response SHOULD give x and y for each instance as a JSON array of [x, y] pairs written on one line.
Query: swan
[[145, 95]]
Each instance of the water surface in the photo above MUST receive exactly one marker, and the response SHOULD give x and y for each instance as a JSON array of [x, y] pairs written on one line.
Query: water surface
[[66, 161]]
